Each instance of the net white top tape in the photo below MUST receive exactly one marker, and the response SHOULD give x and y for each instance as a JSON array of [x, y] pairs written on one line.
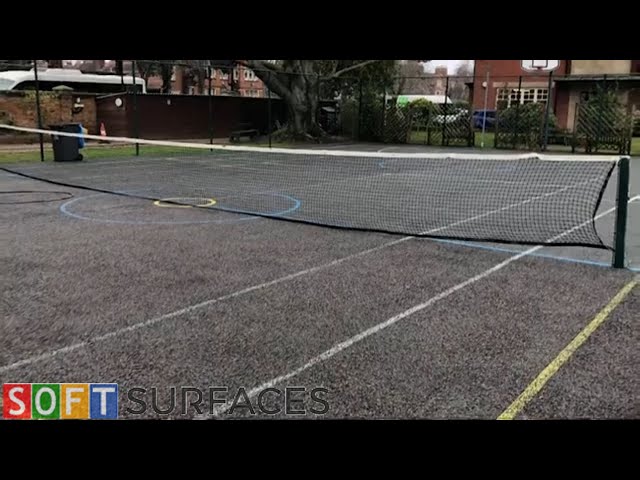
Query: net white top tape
[[332, 153]]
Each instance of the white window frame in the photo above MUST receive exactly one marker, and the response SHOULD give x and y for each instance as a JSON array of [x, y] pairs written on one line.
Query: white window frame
[[522, 96]]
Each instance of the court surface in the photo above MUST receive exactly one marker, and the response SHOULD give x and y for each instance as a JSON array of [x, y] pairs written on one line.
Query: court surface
[[100, 288]]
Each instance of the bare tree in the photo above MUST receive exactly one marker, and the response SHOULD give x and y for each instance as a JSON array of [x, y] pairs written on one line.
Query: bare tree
[[458, 90], [412, 79]]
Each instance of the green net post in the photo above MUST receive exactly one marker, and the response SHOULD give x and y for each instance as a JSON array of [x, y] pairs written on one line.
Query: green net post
[[621, 212]]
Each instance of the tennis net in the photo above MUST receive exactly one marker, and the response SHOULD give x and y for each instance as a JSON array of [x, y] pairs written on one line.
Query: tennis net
[[523, 199]]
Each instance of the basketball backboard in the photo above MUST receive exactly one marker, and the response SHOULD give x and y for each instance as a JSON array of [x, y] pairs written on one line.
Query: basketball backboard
[[540, 65]]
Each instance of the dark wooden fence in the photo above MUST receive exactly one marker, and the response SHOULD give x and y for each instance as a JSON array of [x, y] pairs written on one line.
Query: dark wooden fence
[[159, 116]]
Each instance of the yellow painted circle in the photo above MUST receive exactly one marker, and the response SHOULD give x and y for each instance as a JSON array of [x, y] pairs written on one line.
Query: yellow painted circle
[[206, 202]]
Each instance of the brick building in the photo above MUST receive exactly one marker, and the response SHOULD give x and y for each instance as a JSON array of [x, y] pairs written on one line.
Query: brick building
[[572, 82], [504, 79], [584, 76], [243, 82], [440, 80]]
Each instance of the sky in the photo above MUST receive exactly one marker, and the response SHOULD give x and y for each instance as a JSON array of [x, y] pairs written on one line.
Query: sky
[[450, 64]]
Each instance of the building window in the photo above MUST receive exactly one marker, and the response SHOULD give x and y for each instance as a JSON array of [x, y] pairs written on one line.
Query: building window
[[513, 96], [216, 91], [249, 75], [528, 95], [235, 74]]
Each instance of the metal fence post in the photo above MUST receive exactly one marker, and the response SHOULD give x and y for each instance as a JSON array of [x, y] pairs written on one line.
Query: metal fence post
[[38, 111], [210, 75], [516, 124], [384, 115], [269, 120], [444, 117], [359, 119], [135, 106], [547, 113], [318, 107], [484, 112]]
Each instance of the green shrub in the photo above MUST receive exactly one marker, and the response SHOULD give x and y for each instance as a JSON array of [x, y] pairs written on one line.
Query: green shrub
[[420, 111], [527, 118]]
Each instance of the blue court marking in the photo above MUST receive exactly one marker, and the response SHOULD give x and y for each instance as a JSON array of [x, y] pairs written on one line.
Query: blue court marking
[[542, 255], [64, 208], [282, 213]]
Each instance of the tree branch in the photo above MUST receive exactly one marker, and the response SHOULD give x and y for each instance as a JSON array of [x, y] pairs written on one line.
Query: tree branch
[[353, 67], [273, 82], [259, 64]]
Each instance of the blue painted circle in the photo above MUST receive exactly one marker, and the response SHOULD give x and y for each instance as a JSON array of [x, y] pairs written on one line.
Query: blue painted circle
[[64, 208]]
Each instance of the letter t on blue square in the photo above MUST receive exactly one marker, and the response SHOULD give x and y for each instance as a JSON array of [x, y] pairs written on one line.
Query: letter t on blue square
[[103, 398]]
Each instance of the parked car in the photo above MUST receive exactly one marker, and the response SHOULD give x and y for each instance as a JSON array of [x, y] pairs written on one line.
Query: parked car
[[488, 115], [452, 117]]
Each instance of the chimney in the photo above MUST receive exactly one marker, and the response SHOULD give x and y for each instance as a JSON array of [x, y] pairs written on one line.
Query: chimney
[[441, 71]]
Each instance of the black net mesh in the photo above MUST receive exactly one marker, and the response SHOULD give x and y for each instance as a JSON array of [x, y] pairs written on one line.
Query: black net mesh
[[527, 199]]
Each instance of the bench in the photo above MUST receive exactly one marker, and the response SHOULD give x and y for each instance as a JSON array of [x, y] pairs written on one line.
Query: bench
[[560, 137], [244, 130]]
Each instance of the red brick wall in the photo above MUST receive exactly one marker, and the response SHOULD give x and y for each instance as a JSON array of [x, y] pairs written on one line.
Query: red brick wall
[[19, 108], [244, 86], [501, 72]]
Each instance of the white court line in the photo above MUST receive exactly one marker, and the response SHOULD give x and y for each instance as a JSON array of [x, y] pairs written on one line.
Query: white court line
[[192, 308], [239, 167], [468, 180], [341, 145], [153, 321], [395, 319]]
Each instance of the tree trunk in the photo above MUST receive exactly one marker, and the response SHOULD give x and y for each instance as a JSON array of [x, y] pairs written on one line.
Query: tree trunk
[[297, 83], [166, 72], [302, 104]]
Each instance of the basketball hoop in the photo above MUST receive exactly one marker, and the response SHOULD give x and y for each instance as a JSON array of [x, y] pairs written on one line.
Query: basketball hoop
[[539, 65]]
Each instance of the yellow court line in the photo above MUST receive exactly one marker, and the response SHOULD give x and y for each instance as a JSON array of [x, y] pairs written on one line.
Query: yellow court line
[[540, 381], [165, 203]]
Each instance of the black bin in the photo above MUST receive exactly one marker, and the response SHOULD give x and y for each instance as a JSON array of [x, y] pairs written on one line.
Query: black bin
[[66, 149]]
